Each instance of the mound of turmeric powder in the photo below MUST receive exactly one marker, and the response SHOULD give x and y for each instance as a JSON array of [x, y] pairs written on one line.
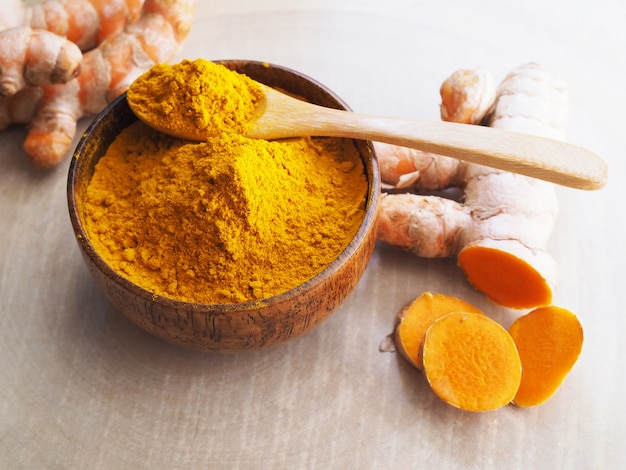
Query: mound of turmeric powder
[[228, 220]]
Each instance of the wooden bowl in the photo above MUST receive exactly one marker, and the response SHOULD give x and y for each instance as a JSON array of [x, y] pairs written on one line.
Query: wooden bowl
[[228, 327]]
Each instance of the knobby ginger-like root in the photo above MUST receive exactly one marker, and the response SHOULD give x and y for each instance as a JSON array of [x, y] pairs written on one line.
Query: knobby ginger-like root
[[528, 100], [20, 107], [403, 168], [415, 318], [549, 341], [532, 101], [13, 12], [471, 362], [35, 58], [41, 43], [84, 22], [106, 72], [427, 226], [500, 211], [467, 96]]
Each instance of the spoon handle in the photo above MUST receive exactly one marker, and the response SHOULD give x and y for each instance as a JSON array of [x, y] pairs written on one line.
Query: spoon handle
[[547, 159], [539, 157]]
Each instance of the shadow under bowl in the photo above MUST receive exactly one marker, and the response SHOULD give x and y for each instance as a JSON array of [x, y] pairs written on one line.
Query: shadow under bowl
[[226, 327]]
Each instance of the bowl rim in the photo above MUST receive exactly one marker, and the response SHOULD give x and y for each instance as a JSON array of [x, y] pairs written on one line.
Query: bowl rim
[[368, 223]]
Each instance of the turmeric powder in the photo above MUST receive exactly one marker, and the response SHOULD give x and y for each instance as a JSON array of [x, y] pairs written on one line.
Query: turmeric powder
[[195, 98], [229, 220]]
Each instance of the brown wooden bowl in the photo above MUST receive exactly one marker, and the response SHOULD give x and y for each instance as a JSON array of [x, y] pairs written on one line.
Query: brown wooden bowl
[[228, 327]]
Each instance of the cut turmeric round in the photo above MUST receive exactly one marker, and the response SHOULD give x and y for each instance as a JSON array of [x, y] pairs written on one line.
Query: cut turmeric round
[[415, 318], [549, 341], [509, 273], [471, 362]]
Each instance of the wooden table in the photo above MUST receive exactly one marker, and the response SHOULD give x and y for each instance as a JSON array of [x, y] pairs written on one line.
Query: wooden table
[[80, 387]]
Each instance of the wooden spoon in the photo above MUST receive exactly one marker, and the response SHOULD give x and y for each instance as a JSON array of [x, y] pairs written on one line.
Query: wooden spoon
[[280, 116]]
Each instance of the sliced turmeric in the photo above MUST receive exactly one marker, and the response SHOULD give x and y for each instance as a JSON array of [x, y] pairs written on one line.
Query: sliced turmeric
[[549, 341], [415, 318], [471, 362]]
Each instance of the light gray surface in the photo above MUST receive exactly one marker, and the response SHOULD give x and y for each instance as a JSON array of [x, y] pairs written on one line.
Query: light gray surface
[[80, 387]]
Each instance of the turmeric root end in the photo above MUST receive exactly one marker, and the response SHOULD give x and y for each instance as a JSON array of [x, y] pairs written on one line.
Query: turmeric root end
[[512, 279], [46, 150]]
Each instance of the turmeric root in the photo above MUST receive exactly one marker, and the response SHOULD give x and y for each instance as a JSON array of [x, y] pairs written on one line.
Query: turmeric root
[[84, 22], [415, 318], [12, 14], [549, 341], [403, 168], [514, 269], [35, 58], [467, 96], [471, 362], [105, 73], [501, 228], [20, 107], [42, 41]]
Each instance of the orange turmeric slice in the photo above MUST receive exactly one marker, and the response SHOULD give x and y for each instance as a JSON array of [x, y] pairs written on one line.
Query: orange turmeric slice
[[471, 362], [415, 318], [509, 273], [549, 341]]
